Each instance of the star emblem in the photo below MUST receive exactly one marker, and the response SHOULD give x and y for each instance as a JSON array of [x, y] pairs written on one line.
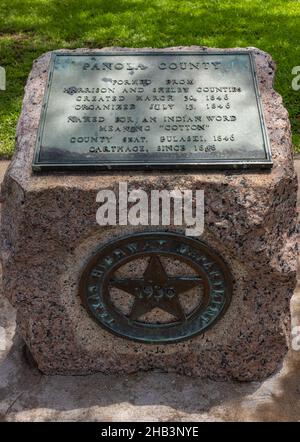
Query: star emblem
[[156, 289]]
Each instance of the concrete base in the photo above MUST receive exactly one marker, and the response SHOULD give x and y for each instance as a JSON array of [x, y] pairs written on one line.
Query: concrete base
[[27, 395]]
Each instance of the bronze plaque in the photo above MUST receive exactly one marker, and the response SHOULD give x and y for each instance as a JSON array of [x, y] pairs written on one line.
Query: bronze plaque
[[156, 287], [151, 110]]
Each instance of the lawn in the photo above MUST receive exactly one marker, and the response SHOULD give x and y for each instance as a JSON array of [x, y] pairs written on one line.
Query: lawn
[[29, 28]]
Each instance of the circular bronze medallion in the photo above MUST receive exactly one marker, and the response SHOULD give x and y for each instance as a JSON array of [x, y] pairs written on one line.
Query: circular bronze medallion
[[156, 287]]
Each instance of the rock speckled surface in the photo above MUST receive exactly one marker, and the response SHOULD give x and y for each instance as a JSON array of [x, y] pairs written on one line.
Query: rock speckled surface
[[49, 232]]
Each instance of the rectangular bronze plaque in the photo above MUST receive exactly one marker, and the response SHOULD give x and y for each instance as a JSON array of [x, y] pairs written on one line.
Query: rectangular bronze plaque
[[151, 110]]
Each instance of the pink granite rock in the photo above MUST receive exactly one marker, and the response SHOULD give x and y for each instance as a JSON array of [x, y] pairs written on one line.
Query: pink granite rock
[[49, 233]]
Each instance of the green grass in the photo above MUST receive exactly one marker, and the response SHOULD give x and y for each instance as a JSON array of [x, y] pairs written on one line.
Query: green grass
[[29, 28]]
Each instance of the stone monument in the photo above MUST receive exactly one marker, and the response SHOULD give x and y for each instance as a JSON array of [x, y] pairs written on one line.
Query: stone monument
[[121, 298]]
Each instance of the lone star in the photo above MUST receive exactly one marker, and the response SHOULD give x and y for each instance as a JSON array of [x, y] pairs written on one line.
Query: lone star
[[156, 289]]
